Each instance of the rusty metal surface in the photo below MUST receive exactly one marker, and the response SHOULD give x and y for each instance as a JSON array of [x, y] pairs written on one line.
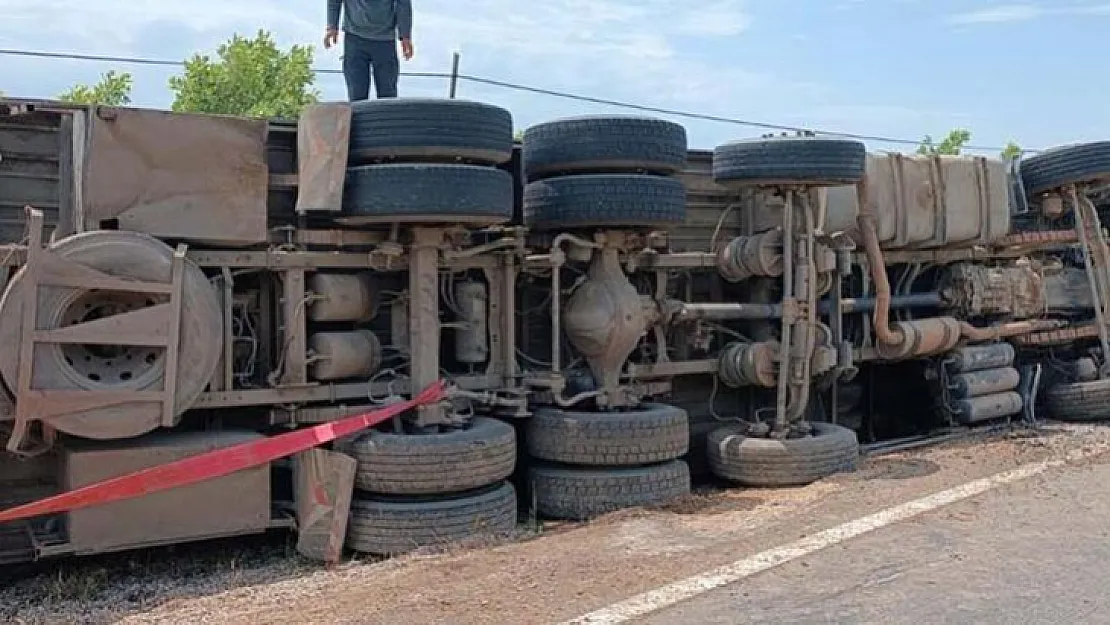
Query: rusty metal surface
[[294, 369], [1058, 337], [423, 317], [114, 407], [975, 290], [323, 483], [930, 202], [1007, 330], [31, 147], [228, 505], [194, 177], [604, 320], [322, 143], [1019, 239], [281, 158]]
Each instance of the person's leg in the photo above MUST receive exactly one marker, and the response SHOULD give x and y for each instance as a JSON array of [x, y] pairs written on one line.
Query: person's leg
[[387, 68], [356, 67]]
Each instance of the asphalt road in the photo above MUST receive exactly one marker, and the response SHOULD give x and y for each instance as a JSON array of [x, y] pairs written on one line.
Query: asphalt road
[[1035, 551]]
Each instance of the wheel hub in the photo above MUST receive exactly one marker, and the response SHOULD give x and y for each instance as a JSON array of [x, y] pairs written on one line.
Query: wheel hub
[[107, 366]]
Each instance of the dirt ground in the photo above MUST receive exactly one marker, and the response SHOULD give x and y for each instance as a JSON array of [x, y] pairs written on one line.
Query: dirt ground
[[555, 574]]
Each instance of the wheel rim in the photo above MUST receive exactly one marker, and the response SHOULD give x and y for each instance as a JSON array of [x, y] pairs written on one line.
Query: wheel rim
[[106, 367]]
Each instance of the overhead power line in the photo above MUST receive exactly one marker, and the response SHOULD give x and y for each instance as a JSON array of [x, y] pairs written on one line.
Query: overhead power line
[[529, 89], [131, 60]]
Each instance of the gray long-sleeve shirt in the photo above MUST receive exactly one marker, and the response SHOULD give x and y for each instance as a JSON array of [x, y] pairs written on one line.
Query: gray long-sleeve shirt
[[381, 20]]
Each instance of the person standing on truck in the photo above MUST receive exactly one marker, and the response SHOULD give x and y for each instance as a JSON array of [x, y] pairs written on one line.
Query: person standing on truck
[[371, 29]]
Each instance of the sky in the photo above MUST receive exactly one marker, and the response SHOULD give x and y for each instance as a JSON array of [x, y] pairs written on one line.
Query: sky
[[1024, 71]]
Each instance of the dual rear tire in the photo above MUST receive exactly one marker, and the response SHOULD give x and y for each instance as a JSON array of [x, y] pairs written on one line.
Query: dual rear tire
[[427, 490], [428, 161], [587, 464], [604, 172]]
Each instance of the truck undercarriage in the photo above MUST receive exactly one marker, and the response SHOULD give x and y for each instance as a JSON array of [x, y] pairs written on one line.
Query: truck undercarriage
[[611, 312]]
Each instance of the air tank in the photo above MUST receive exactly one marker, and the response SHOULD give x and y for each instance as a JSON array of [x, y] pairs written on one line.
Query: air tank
[[981, 357], [987, 382], [342, 297], [344, 355], [988, 407], [472, 339]]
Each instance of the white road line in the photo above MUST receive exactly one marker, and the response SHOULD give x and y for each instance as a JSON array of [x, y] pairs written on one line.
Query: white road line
[[671, 594]]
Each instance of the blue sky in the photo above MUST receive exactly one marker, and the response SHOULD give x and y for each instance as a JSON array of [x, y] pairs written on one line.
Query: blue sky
[[903, 68]]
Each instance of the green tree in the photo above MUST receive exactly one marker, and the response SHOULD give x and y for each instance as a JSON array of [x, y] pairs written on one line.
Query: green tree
[[250, 77], [951, 145], [112, 90], [1011, 150]]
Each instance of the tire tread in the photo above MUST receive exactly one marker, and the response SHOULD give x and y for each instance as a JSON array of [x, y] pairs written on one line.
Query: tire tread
[[432, 464], [763, 462]]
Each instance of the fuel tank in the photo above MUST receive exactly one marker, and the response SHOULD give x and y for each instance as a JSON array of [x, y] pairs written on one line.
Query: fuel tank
[[927, 202]]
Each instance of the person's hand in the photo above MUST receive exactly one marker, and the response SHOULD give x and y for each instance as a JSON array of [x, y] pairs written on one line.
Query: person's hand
[[406, 48], [331, 37]]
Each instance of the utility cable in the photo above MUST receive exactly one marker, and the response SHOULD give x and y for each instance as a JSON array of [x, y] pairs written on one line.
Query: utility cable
[[531, 89]]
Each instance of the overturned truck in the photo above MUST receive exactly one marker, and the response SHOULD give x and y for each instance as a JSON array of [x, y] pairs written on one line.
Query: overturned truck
[[609, 311]]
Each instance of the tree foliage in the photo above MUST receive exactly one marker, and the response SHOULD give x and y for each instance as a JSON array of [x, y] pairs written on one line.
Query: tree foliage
[[112, 90], [1011, 150], [951, 145], [954, 142], [249, 77]]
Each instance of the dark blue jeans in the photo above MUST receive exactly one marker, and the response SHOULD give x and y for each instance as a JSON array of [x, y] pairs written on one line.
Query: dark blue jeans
[[360, 57]]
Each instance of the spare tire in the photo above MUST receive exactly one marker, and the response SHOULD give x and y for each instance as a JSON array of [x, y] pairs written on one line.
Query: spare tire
[[430, 129], [1065, 165], [656, 433], [604, 144], [815, 161], [427, 193], [121, 368], [769, 462], [431, 464], [392, 526], [604, 200], [579, 494]]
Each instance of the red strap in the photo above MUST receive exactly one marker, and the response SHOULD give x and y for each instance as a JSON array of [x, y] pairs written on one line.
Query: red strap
[[216, 463]]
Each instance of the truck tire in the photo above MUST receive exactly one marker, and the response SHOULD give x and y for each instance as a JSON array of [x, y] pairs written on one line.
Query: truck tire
[[580, 494], [655, 433], [765, 462], [129, 255], [604, 144], [427, 193], [434, 464], [1065, 165], [390, 526], [430, 129], [815, 161], [604, 200], [1079, 401]]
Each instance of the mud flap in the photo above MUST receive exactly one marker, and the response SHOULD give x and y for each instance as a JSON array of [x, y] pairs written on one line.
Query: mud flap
[[324, 483], [323, 139]]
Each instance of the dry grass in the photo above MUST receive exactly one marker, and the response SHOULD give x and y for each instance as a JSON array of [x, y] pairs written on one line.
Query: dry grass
[[100, 590]]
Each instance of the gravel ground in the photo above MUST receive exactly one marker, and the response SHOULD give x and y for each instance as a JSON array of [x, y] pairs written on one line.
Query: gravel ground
[[556, 573]]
